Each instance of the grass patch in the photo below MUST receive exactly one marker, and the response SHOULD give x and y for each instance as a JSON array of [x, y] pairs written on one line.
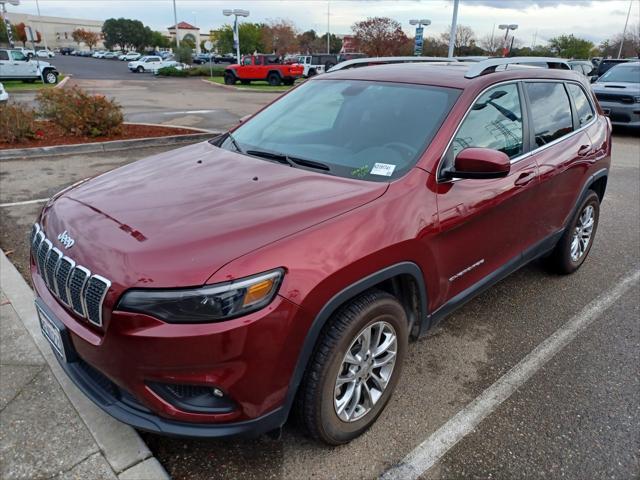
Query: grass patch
[[20, 86], [258, 85]]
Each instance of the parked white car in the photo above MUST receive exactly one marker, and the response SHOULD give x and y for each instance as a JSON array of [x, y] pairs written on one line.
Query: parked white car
[[170, 63], [26, 51], [99, 54], [131, 56], [44, 53], [15, 65], [146, 64], [4, 96]]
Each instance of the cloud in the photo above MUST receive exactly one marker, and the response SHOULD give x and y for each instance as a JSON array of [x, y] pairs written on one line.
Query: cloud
[[524, 4]]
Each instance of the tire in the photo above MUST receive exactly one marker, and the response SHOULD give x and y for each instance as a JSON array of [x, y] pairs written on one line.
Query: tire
[[229, 79], [569, 254], [274, 79], [312, 73], [328, 65], [140, 69], [289, 81], [50, 77], [318, 397]]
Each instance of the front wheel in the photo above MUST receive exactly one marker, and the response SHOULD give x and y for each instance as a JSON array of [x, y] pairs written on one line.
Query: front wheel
[[140, 69], [229, 79], [50, 77], [574, 245], [354, 369]]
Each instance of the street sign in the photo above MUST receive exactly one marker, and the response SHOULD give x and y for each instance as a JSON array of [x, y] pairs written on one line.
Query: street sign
[[208, 45], [417, 50]]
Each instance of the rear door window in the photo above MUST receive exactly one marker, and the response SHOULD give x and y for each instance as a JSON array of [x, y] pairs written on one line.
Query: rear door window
[[550, 111], [494, 121], [581, 102]]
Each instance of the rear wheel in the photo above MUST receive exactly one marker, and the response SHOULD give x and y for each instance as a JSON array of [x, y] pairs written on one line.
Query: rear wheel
[[140, 69], [229, 79], [354, 368], [574, 245], [274, 79], [289, 81], [312, 72]]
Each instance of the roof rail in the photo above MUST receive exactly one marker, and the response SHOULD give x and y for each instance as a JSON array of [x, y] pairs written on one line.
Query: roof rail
[[490, 65], [388, 60]]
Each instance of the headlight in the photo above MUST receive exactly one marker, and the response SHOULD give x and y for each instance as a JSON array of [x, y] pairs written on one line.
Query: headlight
[[212, 303]]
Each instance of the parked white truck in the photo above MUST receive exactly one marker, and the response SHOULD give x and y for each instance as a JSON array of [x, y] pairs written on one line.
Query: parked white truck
[[317, 63], [15, 65]]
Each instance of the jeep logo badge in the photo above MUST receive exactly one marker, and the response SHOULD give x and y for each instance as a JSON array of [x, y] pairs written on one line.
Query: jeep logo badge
[[66, 240]]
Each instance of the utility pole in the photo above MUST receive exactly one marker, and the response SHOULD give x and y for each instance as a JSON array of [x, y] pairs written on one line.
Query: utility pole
[[175, 19], [44, 37], [328, 27], [454, 27], [624, 32]]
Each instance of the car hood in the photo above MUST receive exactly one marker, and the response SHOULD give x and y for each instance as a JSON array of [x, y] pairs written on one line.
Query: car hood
[[626, 88], [174, 219]]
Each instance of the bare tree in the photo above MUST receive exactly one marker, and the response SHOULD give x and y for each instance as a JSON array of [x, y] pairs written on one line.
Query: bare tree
[[464, 37], [492, 44]]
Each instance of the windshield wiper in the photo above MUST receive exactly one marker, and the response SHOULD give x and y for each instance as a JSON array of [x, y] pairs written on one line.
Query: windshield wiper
[[292, 161], [233, 141]]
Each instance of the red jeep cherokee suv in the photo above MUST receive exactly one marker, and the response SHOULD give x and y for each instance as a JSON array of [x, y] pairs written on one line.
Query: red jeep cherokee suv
[[210, 290]]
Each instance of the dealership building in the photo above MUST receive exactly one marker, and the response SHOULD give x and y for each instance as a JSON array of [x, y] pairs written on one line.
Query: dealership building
[[57, 31]]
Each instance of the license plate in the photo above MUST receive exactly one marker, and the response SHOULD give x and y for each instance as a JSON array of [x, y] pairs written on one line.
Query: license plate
[[52, 333]]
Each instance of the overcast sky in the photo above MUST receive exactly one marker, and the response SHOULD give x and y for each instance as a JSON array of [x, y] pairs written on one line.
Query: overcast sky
[[542, 19]]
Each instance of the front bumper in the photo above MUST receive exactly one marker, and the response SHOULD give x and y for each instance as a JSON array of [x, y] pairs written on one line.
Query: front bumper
[[250, 359], [622, 114]]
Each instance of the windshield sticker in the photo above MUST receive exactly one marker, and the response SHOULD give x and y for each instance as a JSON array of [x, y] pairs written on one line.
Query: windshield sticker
[[383, 169], [360, 172]]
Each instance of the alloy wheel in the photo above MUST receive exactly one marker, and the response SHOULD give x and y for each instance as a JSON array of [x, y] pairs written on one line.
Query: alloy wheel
[[365, 371], [582, 233]]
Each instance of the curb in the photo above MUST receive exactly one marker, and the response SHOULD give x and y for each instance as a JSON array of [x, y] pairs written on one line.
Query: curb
[[238, 89], [121, 446], [111, 146], [64, 80]]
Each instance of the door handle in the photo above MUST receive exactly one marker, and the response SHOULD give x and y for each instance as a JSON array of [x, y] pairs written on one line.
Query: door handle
[[525, 178], [584, 150]]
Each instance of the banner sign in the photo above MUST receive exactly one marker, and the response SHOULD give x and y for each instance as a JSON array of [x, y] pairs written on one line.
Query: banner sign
[[417, 50]]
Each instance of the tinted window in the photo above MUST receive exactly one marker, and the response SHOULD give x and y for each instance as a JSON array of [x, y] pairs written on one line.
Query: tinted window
[[583, 107], [622, 74], [4, 55], [550, 110], [18, 56], [350, 125], [494, 121]]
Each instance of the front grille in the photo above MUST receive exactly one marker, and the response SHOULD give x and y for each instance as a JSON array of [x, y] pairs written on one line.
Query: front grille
[[74, 285], [612, 97]]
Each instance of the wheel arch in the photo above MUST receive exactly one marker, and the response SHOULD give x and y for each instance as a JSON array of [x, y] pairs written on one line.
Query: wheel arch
[[277, 72], [404, 280], [596, 182]]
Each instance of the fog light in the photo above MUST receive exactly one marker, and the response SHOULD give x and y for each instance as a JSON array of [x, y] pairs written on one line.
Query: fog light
[[194, 398]]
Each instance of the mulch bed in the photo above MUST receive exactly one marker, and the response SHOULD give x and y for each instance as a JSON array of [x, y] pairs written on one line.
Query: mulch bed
[[49, 134]]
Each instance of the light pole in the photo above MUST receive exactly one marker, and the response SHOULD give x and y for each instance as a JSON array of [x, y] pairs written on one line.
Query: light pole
[[175, 19], [454, 28], [419, 42], [5, 19], [236, 32], [507, 27], [44, 37]]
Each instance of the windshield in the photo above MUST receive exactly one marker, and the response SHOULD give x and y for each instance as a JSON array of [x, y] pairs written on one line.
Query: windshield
[[622, 74], [358, 129]]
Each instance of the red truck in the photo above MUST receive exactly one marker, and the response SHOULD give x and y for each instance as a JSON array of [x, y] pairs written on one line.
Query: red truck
[[262, 67]]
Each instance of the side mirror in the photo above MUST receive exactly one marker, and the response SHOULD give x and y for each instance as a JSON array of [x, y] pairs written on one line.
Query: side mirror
[[480, 163]]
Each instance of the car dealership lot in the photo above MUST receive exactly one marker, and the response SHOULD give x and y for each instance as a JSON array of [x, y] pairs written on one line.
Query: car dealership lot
[[577, 416]]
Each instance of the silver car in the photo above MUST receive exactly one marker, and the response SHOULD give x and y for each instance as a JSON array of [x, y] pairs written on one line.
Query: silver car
[[618, 92]]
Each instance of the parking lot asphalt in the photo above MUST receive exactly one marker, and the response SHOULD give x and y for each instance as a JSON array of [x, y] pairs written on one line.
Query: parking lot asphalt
[[577, 417], [145, 98]]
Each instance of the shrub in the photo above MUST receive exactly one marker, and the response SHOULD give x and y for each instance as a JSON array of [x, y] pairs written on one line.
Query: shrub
[[17, 123], [183, 54], [79, 113], [205, 71], [172, 72]]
